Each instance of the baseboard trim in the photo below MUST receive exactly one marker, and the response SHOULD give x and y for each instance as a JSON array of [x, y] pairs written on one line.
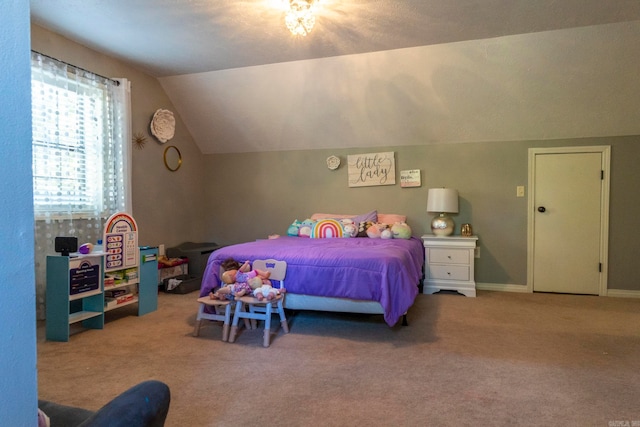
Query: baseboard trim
[[623, 293], [501, 287], [504, 287]]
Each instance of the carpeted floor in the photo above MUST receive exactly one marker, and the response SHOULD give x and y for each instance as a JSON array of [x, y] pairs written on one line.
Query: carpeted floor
[[501, 359]]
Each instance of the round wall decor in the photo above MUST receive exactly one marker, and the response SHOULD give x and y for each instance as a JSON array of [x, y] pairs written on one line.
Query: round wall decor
[[172, 158], [163, 125], [333, 162]]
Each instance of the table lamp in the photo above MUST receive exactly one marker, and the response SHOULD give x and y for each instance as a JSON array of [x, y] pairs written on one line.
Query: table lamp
[[442, 201]]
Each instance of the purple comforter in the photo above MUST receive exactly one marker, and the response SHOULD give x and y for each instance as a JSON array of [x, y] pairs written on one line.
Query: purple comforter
[[387, 271]]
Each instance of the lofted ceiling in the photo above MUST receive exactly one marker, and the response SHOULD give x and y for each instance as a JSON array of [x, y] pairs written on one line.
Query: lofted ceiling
[[172, 37], [223, 63]]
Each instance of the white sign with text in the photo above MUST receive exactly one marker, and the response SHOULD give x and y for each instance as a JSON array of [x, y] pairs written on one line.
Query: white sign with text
[[371, 169]]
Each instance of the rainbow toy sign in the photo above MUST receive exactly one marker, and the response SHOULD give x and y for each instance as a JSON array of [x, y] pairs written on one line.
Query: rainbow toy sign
[[120, 242], [326, 228]]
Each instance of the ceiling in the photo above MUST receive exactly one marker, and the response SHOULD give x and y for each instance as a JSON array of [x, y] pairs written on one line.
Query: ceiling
[[175, 37]]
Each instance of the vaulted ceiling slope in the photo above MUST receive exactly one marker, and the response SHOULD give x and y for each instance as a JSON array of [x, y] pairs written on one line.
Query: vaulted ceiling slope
[[375, 73], [173, 37]]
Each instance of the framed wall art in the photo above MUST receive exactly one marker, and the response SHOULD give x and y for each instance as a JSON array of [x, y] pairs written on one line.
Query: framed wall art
[[371, 169]]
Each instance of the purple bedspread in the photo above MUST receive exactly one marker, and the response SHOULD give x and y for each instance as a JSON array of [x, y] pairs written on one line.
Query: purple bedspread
[[383, 270]]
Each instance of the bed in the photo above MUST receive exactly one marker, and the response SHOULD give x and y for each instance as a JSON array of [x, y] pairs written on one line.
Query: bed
[[362, 275]]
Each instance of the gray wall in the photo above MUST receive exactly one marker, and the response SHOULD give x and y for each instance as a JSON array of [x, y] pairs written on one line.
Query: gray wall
[[253, 195], [228, 198]]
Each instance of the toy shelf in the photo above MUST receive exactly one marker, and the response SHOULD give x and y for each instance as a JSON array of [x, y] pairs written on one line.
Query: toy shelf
[[75, 290]]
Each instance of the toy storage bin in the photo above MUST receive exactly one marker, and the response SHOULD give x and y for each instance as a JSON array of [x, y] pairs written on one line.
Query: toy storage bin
[[197, 253], [188, 283]]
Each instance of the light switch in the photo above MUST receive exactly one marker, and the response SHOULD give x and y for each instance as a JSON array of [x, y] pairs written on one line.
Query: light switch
[[520, 191]]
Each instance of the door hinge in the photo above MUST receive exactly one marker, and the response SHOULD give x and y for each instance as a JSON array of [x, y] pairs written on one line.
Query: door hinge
[[600, 267], [601, 174]]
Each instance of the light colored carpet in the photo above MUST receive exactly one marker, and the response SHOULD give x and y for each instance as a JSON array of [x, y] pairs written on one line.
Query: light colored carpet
[[501, 359]]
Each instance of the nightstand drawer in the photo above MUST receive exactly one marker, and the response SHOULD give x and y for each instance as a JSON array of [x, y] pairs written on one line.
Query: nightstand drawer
[[448, 272], [448, 256]]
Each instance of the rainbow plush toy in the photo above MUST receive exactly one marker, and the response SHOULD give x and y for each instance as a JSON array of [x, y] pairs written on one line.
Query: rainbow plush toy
[[326, 229]]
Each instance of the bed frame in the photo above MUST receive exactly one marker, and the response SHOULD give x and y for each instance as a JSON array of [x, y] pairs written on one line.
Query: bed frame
[[342, 305]]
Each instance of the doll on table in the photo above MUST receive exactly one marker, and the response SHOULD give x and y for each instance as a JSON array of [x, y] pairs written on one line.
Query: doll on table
[[239, 279]]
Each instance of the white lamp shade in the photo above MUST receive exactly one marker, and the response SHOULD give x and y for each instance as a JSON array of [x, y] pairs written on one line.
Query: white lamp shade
[[442, 200]]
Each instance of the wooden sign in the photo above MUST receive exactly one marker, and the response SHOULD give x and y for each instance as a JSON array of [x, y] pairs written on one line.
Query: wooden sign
[[371, 169], [410, 178]]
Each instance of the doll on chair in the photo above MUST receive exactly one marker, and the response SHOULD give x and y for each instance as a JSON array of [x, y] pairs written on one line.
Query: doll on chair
[[239, 279], [267, 292]]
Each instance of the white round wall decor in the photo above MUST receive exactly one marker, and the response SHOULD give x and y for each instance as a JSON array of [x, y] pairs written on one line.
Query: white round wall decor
[[333, 162], [163, 125]]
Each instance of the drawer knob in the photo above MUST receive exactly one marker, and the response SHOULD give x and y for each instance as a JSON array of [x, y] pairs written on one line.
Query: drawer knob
[[449, 273], [449, 256]]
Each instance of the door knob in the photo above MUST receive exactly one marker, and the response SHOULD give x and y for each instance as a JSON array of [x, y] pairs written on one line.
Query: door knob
[[541, 209]]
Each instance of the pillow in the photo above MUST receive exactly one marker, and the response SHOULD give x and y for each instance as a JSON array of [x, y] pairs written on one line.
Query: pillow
[[391, 218], [326, 229], [319, 216], [369, 216], [384, 218]]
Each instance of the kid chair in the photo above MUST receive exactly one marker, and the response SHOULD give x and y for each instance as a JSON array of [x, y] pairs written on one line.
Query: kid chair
[[215, 309], [263, 309]]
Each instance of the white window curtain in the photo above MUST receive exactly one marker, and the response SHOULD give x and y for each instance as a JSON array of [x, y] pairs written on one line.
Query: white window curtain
[[81, 156]]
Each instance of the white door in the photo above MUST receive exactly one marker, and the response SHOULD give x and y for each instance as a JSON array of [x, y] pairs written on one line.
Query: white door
[[568, 219]]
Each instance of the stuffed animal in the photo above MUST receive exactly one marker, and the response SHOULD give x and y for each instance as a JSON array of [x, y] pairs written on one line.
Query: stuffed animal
[[401, 230], [375, 230], [363, 227], [349, 228], [294, 228], [386, 233], [267, 292], [305, 228]]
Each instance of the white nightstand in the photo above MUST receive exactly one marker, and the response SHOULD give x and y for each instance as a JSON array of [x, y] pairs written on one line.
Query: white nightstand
[[449, 264]]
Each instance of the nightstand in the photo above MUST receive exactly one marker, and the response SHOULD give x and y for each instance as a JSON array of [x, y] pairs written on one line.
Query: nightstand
[[449, 263]]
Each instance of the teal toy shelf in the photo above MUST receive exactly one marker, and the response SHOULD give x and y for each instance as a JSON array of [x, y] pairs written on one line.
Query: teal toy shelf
[[76, 290]]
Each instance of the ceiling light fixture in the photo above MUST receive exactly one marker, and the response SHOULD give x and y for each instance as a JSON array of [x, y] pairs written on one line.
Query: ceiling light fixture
[[300, 17]]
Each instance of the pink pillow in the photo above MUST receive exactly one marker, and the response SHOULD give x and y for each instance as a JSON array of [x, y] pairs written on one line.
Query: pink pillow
[[319, 216], [391, 218]]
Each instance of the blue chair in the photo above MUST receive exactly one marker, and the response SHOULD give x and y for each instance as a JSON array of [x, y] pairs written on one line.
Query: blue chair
[[249, 307]]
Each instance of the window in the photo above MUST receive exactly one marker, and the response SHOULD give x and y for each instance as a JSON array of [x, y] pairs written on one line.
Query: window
[[81, 148], [77, 158]]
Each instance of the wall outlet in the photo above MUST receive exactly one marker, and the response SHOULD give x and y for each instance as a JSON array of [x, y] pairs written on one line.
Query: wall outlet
[[476, 252], [520, 191]]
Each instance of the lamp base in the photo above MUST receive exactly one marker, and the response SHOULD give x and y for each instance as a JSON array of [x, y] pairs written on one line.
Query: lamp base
[[442, 225]]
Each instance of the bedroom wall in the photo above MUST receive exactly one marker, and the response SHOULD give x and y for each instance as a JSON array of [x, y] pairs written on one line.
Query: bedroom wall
[[167, 205], [205, 199], [257, 194]]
